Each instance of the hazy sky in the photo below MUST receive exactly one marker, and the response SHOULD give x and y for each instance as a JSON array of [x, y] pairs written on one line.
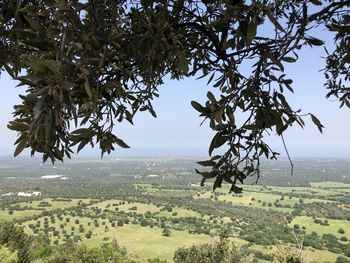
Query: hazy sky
[[176, 131]]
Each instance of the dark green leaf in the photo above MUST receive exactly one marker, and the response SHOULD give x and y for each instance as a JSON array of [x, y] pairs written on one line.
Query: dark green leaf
[[82, 145], [316, 2], [197, 106], [235, 189], [87, 87], [211, 97], [18, 126], [20, 147], [317, 122], [9, 71], [35, 25], [207, 163], [42, 44], [289, 59], [218, 182], [182, 62], [315, 41], [274, 21], [251, 32], [121, 143]]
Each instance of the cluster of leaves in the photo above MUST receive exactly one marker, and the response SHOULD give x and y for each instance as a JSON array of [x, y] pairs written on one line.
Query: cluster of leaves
[[337, 71], [95, 63]]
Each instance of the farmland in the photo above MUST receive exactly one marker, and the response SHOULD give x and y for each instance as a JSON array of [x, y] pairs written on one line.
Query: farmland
[[154, 216]]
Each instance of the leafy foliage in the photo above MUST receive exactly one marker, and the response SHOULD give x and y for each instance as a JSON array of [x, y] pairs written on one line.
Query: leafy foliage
[[220, 251], [92, 64], [6, 256], [15, 240]]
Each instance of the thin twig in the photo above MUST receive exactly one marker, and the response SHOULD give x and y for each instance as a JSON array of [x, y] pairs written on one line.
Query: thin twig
[[290, 160]]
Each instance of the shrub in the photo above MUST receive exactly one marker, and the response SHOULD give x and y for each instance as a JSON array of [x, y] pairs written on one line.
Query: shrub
[[343, 238], [166, 232], [341, 259], [222, 251], [341, 231]]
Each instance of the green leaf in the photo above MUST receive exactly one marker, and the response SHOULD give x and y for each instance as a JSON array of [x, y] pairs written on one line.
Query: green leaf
[[274, 21], [211, 97], [129, 117], [44, 65], [218, 182], [20, 147], [316, 2], [83, 132], [198, 172], [197, 106], [209, 175], [9, 71], [315, 41], [217, 141], [218, 116], [87, 86], [251, 32], [35, 25], [289, 59], [121, 143], [235, 189], [28, 80], [317, 122], [219, 83], [49, 127], [220, 140], [182, 62], [153, 113], [42, 44], [18, 126], [82, 145], [227, 178], [207, 163], [203, 181], [211, 78]]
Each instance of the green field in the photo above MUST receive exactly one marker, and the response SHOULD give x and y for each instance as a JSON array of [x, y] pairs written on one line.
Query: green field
[[148, 242], [330, 185], [264, 200], [334, 226], [309, 255], [75, 218], [54, 203], [5, 215]]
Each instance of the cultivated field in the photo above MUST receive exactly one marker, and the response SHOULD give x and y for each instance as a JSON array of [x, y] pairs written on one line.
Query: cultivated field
[[154, 216]]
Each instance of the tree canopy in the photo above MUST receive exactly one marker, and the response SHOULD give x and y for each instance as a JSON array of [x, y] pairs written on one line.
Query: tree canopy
[[88, 65]]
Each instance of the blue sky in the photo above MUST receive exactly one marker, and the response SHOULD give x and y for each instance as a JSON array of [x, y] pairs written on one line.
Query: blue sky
[[176, 131]]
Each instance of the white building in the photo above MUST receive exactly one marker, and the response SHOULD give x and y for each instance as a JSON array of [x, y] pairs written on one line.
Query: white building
[[24, 194], [152, 175], [29, 194], [51, 176]]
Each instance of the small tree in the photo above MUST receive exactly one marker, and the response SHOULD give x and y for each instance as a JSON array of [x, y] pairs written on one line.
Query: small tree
[[120, 222], [88, 235], [166, 232]]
